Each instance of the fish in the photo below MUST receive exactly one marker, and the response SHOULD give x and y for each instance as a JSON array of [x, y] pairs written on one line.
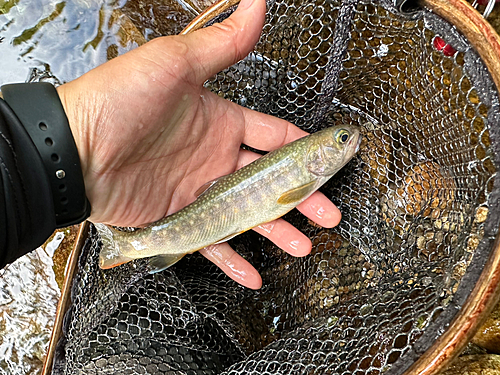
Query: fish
[[259, 192]]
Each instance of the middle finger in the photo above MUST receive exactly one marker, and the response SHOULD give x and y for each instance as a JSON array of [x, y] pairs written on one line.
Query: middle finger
[[286, 236]]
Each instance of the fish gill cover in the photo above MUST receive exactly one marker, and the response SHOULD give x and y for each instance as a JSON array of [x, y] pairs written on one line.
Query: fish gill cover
[[419, 205]]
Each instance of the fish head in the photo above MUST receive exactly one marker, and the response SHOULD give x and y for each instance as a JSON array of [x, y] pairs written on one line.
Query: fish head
[[330, 149]]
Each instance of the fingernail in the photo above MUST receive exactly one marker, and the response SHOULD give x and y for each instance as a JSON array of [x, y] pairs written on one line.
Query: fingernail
[[245, 4], [267, 227], [294, 244], [238, 274], [320, 212]]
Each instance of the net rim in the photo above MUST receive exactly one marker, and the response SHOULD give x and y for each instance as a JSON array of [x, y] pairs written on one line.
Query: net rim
[[208, 14], [486, 292], [65, 299]]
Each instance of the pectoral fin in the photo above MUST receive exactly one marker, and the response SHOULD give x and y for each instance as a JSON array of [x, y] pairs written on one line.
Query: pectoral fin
[[162, 262], [297, 194]]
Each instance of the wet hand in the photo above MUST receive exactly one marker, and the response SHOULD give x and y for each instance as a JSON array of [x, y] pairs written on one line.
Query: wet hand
[[149, 134]]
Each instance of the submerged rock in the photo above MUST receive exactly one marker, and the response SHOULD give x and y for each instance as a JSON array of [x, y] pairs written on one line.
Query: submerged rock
[[486, 364]]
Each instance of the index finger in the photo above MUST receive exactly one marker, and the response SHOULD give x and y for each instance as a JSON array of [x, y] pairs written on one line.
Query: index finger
[[267, 133]]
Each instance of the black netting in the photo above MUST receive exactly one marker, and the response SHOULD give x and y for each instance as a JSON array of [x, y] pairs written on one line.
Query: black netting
[[419, 204]]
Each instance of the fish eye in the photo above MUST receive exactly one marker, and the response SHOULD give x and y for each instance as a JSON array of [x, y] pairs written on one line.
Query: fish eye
[[342, 136]]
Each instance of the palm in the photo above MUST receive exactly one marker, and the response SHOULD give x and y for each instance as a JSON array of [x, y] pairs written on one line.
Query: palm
[[184, 135], [154, 135]]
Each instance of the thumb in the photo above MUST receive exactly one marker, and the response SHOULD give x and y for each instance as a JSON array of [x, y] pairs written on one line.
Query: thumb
[[219, 46]]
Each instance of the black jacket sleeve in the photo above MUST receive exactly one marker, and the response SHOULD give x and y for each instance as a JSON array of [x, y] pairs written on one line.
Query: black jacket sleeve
[[27, 216]]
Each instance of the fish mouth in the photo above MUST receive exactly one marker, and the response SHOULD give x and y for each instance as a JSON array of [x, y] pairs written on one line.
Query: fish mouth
[[358, 145], [356, 140]]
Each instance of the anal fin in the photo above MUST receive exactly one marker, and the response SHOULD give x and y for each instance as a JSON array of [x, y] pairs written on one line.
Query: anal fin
[[159, 263], [227, 238]]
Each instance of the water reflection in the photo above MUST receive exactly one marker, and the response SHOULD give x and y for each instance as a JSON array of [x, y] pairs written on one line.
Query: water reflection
[[28, 299], [58, 41], [68, 38], [48, 35]]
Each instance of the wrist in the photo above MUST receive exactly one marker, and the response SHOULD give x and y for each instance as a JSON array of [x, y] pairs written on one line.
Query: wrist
[[77, 113], [74, 125]]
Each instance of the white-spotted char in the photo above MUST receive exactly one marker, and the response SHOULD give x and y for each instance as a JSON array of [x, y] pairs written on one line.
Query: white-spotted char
[[258, 193]]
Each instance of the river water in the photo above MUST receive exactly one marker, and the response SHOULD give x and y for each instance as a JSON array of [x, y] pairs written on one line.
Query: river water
[[64, 39], [57, 41], [28, 299]]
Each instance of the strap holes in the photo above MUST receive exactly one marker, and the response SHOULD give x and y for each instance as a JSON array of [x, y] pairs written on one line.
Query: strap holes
[[62, 187], [55, 158], [42, 126], [49, 141], [64, 200]]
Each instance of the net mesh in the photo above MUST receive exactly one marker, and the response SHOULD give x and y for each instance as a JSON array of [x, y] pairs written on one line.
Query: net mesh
[[418, 205]]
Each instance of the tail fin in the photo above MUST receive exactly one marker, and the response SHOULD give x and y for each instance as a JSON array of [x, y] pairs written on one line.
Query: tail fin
[[110, 255]]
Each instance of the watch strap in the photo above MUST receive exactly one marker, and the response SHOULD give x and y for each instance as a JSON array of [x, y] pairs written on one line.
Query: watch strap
[[40, 111]]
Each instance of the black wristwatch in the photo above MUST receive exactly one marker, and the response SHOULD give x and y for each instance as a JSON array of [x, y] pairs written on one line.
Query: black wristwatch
[[39, 110]]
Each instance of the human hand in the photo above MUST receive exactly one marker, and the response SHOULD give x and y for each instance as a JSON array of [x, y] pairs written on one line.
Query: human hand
[[149, 134]]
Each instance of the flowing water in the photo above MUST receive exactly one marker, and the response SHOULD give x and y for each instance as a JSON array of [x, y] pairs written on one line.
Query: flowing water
[[28, 299], [57, 41], [64, 39]]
